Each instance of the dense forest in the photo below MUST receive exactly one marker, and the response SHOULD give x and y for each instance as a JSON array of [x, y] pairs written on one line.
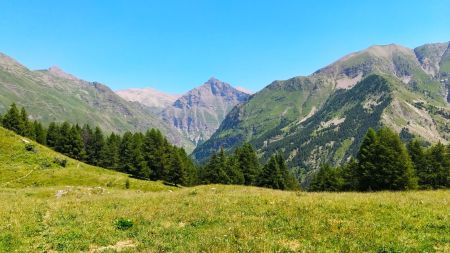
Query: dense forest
[[384, 162], [150, 156]]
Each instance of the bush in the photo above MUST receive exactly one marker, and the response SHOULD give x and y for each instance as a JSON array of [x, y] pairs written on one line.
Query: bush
[[123, 224], [30, 147], [61, 162], [127, 184]]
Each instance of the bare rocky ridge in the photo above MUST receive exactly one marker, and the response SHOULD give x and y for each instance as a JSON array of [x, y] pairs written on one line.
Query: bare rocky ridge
[[148, 96], [199, 112]]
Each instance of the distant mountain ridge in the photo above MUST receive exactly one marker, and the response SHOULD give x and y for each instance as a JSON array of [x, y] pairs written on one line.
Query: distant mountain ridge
[[53, 95], [198, 113], [150, 97], [322, 117]]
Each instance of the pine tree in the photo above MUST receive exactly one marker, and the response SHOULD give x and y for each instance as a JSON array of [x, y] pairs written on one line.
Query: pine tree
[[327, 179], [366, 161], [74, 145], [112, 155], [214, 171], [95, 151], [439, 167], [155, 151], [248, 163], [384, 163], [126, 153], [233, 171], [420, 164], [271, 176], [25, 125], [53, 135], [12, 120], [177, 173], [40, 133]]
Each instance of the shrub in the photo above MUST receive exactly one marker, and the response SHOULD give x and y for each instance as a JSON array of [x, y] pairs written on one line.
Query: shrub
[[123, 224], [30, 147], [60, 161]]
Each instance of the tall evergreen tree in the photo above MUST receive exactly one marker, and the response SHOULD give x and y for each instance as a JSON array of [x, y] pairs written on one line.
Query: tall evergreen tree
[[53, 135], [25, 125], [247, 162], [95, 152], [74, 144], [126, 152], [271, 176], [177, 173], [40, 134], [12, 120], [384, 163], [439, 167], [420, 164], [327, 179], [112, 156], [214, 171]]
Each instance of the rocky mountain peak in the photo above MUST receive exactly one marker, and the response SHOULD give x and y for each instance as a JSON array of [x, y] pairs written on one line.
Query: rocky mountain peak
[[58, 72]]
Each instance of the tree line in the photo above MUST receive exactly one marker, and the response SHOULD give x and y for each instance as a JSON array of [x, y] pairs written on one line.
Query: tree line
[[150, 156], [384, 162]]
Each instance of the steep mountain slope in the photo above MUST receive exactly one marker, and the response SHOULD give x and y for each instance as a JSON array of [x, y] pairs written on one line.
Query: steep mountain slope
[[199, 112], [325, 125], [154, 99], [53, 95]]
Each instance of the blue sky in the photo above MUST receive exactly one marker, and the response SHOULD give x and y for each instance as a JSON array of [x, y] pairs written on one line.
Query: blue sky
[[175, 45]]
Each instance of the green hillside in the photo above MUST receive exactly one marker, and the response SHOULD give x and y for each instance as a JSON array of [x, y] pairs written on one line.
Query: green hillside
[[20, 168], [53, 95], [322, 117]]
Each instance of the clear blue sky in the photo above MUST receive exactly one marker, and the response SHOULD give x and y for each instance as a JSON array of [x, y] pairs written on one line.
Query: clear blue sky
[[176, 45]]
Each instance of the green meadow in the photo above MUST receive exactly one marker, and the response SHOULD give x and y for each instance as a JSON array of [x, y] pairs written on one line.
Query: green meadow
[[46, 207]]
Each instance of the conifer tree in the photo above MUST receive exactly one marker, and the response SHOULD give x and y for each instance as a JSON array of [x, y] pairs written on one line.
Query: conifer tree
[[289, 181], [53, 135], [74, 144], [12, 119], [112, 156], [439, 170], [384, 163], [327, 179], [214, 171], [40, 134], [247, 162], [271, 176], [95, 152], [233, 171], [420, 163], [177, 173], [25, 125], [126, 153]]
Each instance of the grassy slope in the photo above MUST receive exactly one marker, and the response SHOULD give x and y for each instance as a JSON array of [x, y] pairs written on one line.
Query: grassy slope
[[20, 168], [210, 218], [48, 98]]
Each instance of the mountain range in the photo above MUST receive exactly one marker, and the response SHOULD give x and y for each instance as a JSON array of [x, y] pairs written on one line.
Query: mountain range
[[315, 119], [321, 118], [53, 95], [198, 113]]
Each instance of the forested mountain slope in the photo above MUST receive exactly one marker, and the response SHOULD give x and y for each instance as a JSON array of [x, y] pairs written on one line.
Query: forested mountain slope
[[321, 118]]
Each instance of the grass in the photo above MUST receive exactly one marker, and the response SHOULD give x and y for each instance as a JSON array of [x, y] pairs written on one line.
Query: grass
[[76, 209], [224, 219]]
